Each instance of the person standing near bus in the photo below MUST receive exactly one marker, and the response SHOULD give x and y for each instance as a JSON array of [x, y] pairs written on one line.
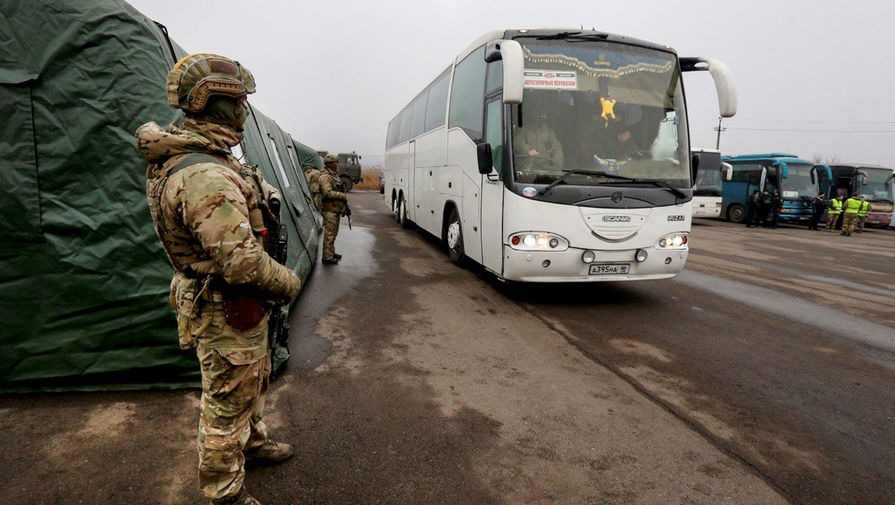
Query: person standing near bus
[[333, 203], [850, 215], [862, 213], [776, 202], [818, 206], [753, 204], [833, 212]]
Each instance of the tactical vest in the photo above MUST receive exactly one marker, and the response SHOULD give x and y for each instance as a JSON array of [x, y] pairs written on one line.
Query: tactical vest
[[184, 252], [835, 207], [852, 205], [864, 210]]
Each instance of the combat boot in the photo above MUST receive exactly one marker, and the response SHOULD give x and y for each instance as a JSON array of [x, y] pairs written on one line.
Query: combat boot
[[241, 498], [337, 256], [330, 261], [270, 452]]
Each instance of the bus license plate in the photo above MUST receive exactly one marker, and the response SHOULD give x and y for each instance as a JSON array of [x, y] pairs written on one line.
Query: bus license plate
[[609, 269]]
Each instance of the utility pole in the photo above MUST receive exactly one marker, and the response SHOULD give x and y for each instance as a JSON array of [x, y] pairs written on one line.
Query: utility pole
[[719, 130]]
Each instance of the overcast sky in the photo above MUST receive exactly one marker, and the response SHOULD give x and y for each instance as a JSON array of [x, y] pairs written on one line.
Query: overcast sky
[[814, 76]]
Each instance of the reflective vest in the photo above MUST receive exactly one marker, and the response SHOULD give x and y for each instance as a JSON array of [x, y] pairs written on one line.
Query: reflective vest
[[864, 210], [835, 206], [852, 205]]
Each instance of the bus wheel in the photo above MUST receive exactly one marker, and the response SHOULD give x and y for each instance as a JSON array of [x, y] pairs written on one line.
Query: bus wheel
[[346, 182], [453, 236], [402, 213], [736, 213]]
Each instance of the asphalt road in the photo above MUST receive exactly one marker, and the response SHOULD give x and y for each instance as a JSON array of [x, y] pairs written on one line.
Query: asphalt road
[[763, 374]]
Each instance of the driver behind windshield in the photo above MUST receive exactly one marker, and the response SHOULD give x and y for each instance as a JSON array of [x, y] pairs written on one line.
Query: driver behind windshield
[[536, 147]]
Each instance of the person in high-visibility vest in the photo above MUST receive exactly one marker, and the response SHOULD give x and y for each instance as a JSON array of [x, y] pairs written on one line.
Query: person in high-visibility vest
[[862, 213], [833, 211], [850, 215]]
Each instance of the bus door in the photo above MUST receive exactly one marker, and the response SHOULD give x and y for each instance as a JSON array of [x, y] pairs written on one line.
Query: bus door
[[491, 201], [413, 185]]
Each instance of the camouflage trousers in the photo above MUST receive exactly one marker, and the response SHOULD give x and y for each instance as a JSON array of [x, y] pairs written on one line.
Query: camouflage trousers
[[849, 221], [331, 229], [831, 221], [234, 384], [861, 220]]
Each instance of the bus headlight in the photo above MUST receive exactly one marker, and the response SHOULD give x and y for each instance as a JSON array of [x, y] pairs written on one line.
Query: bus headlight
[[674, 241], [641, 255], [538, 241]]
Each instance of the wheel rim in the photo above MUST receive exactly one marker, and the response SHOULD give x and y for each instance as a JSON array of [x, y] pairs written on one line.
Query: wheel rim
[[453, 235], [402, 211], [736, 215]]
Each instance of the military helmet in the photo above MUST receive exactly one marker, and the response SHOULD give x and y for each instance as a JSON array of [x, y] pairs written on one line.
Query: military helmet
[[330, 158], [197, 77]]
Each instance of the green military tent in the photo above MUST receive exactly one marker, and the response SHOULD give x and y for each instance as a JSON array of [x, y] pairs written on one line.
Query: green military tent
[[83, 279]]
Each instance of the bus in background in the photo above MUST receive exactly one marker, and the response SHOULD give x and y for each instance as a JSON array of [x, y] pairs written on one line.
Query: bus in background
[[874, 182], [554, 155], [709, 184], [798, 181]]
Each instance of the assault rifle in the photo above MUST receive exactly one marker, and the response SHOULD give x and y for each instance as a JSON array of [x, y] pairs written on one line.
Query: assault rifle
[[347, 213], [278, 321]]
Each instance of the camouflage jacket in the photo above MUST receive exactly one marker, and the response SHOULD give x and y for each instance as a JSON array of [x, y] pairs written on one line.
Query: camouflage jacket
[[333, 199], [207, 215], [313, 177]]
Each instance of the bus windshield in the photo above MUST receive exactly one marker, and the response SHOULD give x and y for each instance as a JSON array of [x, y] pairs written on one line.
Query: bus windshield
[[708, 182], [596, 106], [798, 183], [879, 186]]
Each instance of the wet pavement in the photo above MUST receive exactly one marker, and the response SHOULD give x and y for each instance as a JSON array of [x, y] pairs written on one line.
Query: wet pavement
[[415, 381]]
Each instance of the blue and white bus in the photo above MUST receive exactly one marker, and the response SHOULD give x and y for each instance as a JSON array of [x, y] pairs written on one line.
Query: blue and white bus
[[798, 181], [552, 155]]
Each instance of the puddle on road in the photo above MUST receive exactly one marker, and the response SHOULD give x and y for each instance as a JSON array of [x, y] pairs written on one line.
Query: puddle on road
[[309, 349]]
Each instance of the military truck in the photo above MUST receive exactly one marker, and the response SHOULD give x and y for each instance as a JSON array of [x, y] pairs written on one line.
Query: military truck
[[349, 168]]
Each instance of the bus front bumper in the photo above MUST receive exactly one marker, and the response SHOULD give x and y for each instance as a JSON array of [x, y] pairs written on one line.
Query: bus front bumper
[[568, 265]]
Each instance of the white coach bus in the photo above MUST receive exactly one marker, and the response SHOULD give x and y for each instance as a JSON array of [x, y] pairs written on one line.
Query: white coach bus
[[552, 155], [709, 183]]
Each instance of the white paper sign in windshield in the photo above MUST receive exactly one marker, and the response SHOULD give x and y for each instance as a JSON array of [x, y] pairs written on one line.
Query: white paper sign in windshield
[[550, 79]]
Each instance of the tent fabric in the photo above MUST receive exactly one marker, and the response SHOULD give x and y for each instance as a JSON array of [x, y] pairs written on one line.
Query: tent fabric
[[83, 278]]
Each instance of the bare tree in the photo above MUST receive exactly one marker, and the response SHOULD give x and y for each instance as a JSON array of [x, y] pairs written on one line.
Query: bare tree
[[829, 159]]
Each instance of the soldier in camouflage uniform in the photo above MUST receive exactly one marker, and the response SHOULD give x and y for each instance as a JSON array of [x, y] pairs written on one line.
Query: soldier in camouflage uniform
[[209, 213], [334, 203], [313, 177]]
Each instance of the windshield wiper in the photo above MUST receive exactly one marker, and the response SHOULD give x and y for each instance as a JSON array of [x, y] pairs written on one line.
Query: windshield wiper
[[575, 36], [659, 184], [582, 172]]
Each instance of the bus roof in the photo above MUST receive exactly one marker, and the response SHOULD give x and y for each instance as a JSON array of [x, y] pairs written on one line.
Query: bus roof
[[775, 157], [858, 165], [539, 32]]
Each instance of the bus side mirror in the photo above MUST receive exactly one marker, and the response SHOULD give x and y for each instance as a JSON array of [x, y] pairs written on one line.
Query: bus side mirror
[[510, 52], [865, 179], [486, 162], [813, 177], [725, 86], [694, 166], [727, 170]]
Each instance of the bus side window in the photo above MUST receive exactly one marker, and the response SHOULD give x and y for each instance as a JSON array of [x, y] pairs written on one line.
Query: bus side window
[[494, 131], [467, 94]]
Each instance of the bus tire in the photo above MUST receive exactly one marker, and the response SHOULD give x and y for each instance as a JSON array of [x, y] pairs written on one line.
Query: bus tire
[[401, 213], [346, 183], [453, 237], [736, 213]]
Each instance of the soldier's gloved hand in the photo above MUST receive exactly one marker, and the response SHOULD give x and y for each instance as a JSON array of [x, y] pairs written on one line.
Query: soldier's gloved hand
[[347, 210]]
